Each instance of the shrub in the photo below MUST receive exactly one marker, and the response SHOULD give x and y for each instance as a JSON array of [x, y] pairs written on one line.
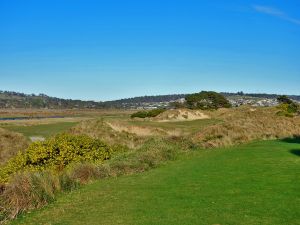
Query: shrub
[[145, 114], [207, 100], [56, 153], [288, 109], [139, 114], [284, 99]]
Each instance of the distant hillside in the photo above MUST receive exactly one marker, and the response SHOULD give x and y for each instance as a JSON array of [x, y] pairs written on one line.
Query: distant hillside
[[143, 99], [10, 99]]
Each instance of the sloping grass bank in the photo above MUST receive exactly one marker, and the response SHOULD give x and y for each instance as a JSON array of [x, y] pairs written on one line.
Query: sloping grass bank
[[251, 184], [43, 130]]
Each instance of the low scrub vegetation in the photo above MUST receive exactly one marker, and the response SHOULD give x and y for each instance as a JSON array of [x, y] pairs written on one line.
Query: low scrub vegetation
[[146, 114], [55, 154], [245, 124], [287, 107]]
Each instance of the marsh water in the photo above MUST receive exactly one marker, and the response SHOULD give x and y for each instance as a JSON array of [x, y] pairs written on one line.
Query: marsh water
[[30, 118]]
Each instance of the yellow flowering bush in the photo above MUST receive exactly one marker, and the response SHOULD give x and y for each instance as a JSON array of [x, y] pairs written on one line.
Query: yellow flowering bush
[[56, 153]]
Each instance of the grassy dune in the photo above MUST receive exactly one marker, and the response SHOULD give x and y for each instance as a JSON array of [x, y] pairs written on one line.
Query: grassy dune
[[251, 184]]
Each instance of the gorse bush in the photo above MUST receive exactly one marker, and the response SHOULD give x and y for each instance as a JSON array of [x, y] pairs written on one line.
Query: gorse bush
[[287, 107], [145, 114], [56, 153], [288, 110]]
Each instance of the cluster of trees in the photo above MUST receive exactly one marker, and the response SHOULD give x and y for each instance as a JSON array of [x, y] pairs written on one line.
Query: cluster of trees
[[206, 100]]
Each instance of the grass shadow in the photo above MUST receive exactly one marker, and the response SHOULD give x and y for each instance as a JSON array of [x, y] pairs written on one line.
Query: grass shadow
[[293, 140], [295, 152]]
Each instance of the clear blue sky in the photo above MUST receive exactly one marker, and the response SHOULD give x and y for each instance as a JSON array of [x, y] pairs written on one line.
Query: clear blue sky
[[109, 49]]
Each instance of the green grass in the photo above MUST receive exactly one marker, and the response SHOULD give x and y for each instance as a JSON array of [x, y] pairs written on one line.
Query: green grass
[[43, 130], [185, 126], [258, 183]]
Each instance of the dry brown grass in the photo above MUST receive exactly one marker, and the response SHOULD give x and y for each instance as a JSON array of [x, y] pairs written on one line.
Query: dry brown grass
[[28, 191], [61, 112], [32, 122], [138, 130], [10, 144], [245, 124], [101, 130]]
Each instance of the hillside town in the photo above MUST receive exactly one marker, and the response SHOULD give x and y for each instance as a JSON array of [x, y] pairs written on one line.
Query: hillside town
[[235, 101]]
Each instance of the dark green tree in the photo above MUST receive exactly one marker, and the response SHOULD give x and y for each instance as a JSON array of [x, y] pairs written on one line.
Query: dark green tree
[[207, 100], [284, 99]]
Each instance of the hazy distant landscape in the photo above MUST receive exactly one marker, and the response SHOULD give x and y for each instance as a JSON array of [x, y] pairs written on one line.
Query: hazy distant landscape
[[11, 100]]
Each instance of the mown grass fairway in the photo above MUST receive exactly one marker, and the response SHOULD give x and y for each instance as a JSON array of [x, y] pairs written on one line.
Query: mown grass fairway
[[258, 183], [43, 130]]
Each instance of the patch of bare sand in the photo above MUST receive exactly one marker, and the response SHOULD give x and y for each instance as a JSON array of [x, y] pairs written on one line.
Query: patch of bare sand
[[181, 115], [37, 138]]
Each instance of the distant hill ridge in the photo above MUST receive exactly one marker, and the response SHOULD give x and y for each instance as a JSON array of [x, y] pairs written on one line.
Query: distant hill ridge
[[11, 99]]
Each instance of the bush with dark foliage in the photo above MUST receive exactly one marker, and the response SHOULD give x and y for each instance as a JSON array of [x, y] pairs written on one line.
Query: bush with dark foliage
[[207, 100]]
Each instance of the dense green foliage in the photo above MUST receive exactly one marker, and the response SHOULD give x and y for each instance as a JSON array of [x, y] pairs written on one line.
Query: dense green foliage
[[288, 110], [284, 99], [207, 100], [287, 107], [145, 114], [56, 153], [252, 184]]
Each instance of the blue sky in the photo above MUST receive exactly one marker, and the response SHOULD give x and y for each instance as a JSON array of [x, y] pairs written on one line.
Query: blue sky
[[110, 49]]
